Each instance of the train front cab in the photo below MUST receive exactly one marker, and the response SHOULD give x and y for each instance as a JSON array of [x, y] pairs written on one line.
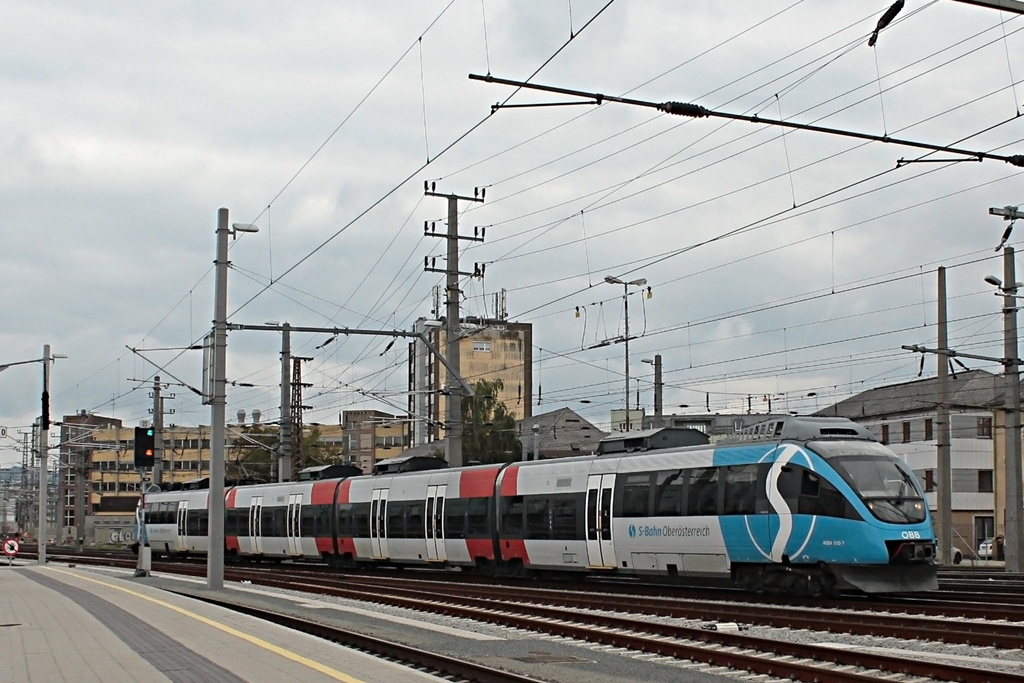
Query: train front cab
[[897, 527]]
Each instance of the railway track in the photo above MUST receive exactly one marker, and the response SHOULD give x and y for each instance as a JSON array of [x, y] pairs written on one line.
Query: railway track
[[631, 618]]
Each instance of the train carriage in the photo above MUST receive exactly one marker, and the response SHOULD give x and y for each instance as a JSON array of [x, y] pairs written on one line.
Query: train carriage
[[429, 517], [801, 505], [177, 522], [274, 521]]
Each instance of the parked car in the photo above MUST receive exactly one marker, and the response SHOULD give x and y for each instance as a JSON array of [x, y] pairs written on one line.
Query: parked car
[[955, 556], [986, 550]]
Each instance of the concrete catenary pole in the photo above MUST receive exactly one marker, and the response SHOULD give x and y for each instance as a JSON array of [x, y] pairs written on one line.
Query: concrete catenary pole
[[944, 495], [1014, 541], [284, 468], [158, 433], [44, 435], [659, 387], [453, 333], [218, 402]]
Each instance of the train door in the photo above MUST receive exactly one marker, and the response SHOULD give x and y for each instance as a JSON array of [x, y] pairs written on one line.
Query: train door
[[434, 521], [378, 524], [182, 520], [256, 525], [294, 524], [600, 551]]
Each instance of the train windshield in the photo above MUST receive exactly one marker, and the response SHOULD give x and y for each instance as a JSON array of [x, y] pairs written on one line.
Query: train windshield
[[885, 484]]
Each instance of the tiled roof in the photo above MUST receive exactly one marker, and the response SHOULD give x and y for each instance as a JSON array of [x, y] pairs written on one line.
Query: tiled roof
[[970, 389]]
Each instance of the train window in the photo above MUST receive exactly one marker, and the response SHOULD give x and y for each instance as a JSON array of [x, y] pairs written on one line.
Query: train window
[[395, 523], [202, 522], [344, 520], [414, 522], [702, 496], [361, 520], [740, 489], [606, 514], [191, 523], [479, 518], [512, 509], [807, 493], [567, 517], [308, 524], [635, 495], [274, 523], [456, 518], [668, 493], [538, 521]]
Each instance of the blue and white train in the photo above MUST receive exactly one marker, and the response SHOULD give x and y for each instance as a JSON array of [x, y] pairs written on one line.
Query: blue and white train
[[800, 505]]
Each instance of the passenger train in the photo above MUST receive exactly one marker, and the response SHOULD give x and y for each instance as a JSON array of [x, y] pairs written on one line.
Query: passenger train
[[799, 505]]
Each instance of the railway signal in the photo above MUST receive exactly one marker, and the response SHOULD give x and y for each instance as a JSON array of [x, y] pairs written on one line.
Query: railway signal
[[145, 447]]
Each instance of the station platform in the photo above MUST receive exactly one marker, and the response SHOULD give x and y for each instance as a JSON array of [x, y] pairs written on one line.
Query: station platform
[[60, 623]]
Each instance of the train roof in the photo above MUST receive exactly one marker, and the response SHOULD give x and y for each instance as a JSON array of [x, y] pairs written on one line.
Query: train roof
[[803, 428], [650, 439]]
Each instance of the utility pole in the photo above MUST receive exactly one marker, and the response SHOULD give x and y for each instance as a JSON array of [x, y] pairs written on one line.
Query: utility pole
[[944, 495], [453, 327], [296, 416], [44, 438], [1014, 536], [284, 432], [158, 435], [218, 401], [1014, 541]]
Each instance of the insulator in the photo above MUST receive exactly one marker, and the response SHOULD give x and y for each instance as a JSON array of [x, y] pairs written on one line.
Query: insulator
[[483, 192], [425, 186], [650, 293], [577, 311]]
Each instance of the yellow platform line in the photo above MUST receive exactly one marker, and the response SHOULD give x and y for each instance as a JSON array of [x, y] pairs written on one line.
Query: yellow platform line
[[258, 642]]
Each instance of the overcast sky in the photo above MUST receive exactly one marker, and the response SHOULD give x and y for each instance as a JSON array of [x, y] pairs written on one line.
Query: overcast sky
[[782, 265]]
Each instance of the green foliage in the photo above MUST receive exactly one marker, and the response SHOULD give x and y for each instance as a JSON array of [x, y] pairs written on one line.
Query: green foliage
[[489, 433], [315, 452]]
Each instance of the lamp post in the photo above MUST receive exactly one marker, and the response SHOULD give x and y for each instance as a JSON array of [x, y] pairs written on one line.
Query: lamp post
[[640, 282], [218, 401], [1014, 537]]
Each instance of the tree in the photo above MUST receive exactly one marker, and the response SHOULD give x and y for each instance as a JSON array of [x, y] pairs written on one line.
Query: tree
[[489, 433], [316, 452]]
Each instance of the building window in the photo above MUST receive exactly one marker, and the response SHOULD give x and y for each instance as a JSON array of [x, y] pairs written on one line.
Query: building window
[[885, 433], [906, 432], [929, 480], [985, 481], [928, 429], [985, 427], [482, 346]]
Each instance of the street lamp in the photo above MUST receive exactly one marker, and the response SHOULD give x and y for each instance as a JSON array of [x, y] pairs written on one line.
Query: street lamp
[[1014, 515], [640, 282]]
